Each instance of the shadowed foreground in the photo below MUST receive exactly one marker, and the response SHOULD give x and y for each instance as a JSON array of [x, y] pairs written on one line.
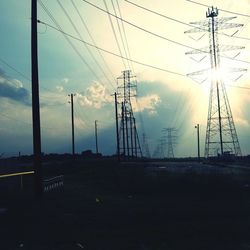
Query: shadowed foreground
[[106, 206]]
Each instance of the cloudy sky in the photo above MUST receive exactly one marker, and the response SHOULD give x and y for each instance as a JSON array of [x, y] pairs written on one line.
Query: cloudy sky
[[67, 65]]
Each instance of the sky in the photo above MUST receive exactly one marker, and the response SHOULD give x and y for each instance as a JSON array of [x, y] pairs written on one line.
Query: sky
[[66, 65]]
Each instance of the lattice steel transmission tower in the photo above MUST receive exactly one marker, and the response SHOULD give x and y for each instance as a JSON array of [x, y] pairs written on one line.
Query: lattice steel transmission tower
[[159, 151], [128, 144], [145, 148], [221, 137], [170, 141]]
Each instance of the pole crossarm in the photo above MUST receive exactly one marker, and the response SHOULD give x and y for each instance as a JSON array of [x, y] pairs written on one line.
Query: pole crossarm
[[128, 144]]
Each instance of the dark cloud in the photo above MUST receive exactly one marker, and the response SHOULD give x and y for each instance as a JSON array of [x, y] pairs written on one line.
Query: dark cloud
[[13, 89]]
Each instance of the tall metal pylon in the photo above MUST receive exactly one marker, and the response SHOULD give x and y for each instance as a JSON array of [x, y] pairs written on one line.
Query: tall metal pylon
[[170, 141], [145, 148], [129, 144], [221, 137]]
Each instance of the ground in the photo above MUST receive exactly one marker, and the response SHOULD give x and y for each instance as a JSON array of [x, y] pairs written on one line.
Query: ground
[[150, 206]]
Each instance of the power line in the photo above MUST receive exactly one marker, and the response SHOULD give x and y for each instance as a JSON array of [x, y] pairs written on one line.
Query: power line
[[140, 28], [125, 35], [113, 29], [92, 39], [159, 36], [112, 53], [227, 11], [80, 36], [162, 15], [184, 23], [66, 37], [17, 71], [239, 87], [119, 29], [23, 75]]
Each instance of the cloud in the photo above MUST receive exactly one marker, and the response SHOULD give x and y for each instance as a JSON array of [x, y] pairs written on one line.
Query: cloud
[[65, 80], [95, 96], [13, 89], [60, 88], [147, 103]]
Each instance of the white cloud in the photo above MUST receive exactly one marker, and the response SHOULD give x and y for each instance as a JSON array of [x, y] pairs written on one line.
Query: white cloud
[[147, 103], [65, 80], [95, 96], [60, 88]]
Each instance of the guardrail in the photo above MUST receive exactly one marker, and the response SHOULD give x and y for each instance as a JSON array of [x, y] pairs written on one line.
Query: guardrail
[[52, 183], [21, 174], [48, 184]]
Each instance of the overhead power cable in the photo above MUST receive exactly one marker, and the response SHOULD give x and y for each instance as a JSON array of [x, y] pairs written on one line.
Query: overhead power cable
[[109, 52], [120, 32], [114, 32], [140, 28], [17, 71], [160, 36], [80, 36], [184, 23], [22, 74], [162, 15], [66, 38], [238, 87], [92, 39], [227, 11], [125, 35]]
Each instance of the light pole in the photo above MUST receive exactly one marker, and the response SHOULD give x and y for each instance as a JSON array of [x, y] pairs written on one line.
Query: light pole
[[198, 140]]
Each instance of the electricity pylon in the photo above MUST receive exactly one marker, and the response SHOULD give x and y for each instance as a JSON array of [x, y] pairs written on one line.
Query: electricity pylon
[[159, 151], [145, 148], [129, 144], [221, 137], [170, 141]]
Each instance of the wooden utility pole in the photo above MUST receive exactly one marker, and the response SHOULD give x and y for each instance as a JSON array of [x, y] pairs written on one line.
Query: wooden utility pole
[[72, 122], [37, 161], [117, 129], [96, 140], [198, 140]]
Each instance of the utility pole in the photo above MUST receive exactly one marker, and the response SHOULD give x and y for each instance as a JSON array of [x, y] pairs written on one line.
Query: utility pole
[[135, 138], [117, 129], [198, 140], [72, 122], [123, 130], [37, 161], [96, 141]]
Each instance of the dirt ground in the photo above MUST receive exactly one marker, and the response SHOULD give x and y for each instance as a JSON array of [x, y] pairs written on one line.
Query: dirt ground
[[107, 206]]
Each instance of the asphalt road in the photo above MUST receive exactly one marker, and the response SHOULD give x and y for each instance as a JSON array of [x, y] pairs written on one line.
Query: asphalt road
[[152, 206]]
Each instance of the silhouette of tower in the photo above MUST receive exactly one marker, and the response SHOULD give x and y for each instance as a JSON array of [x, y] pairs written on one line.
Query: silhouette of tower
[[145, 148], [129, 144], [221, 137], [170, 141], [159, 151]]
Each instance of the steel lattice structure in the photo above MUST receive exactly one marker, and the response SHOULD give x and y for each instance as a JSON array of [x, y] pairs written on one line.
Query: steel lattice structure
[[221, 137], [170, 141], [128, 141]]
